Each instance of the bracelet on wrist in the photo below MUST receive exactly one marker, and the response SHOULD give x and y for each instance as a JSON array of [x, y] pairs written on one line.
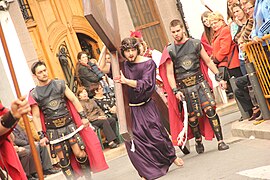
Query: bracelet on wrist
[[218, 77], [41, 134], [175, 90], [8, 120], [82, 115]]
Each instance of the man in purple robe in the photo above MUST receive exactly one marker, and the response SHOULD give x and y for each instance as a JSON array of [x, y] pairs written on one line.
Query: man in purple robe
[[151, 151]]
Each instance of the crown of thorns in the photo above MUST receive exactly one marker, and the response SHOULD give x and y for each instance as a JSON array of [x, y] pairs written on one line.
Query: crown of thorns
[[128, 46]]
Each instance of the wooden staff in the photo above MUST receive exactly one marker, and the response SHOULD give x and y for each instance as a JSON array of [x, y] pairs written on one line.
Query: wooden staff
[[25, 119]]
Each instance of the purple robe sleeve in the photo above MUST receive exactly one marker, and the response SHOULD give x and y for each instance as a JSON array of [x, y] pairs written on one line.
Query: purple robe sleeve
[[146, 84]]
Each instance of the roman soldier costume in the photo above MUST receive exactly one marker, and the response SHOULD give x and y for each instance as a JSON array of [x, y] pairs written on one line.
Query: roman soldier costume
[[63, 128], [190, 80]]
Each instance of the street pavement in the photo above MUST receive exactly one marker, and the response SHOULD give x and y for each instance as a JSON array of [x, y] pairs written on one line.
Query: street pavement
[[247, 158]]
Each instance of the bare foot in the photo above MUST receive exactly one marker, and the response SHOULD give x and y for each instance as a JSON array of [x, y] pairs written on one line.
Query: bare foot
[[143, 178], [178, 162]]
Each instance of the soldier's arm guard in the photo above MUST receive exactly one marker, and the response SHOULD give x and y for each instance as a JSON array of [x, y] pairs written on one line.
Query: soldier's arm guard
[[82, 115], [8, 120], [218, 77]]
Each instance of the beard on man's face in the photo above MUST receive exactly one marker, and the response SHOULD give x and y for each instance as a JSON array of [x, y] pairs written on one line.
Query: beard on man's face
[[132, 59], [178, 38]]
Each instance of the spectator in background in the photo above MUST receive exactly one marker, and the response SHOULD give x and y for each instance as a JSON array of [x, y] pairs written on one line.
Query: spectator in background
[[247, 101], [243, 4], [207, 35], [240, 19], [26, 160], [225, 51], [104, 62], [21, 140], [261, 23], [36, 137], [247, 28], [104, 81], [229, 10], [87, 71], [98, 118], [206, 41], [244, 91], [107, 104], [32, 127]]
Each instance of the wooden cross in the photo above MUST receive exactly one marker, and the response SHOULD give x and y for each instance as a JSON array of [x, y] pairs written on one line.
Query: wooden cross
[[108, 30]]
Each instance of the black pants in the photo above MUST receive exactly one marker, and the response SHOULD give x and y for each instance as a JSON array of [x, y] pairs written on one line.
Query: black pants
[[43, 155], [242, 93], [236, 72], [27, 161], [109, 127]]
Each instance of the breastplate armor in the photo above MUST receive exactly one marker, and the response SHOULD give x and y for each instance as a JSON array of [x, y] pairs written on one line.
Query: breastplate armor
[[51, 99], [185, 59]]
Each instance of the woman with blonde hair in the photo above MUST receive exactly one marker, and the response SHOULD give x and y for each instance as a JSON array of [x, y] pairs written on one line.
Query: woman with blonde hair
[[225, 51]]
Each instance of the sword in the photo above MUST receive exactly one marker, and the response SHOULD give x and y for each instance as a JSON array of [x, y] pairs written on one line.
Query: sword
[[182, 136], [68, 136]]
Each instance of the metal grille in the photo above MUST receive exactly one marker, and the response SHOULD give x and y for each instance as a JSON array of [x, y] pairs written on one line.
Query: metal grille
[[26, 11], [67, 67]]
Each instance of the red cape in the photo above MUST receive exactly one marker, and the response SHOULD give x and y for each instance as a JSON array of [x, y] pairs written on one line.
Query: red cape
[[90, 139], [8, 156], [176, 118]]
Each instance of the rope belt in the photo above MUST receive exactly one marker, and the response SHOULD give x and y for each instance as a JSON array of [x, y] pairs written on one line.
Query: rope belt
[[139, 104]]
